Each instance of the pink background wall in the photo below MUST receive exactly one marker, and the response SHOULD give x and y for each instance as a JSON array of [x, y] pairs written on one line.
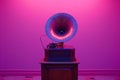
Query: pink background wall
[[97, 41]]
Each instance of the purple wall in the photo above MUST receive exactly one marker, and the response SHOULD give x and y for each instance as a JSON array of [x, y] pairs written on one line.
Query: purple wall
[[97, 41]]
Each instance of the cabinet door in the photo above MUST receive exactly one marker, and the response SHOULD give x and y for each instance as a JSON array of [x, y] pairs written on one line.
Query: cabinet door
[[60, 74]]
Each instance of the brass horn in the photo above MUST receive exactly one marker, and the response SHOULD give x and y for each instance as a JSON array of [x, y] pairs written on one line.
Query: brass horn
[[61, 27]]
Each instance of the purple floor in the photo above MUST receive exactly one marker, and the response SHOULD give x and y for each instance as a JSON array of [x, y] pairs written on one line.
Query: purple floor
[[79, 78]]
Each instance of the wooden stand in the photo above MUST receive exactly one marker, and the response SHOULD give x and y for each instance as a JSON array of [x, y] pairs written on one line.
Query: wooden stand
[[59, 70]]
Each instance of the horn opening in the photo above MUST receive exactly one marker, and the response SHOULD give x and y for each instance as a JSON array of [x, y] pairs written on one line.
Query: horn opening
[[61, 27]]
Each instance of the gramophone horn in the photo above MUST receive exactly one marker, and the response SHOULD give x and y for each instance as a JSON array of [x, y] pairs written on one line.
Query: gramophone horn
[[61, 27]]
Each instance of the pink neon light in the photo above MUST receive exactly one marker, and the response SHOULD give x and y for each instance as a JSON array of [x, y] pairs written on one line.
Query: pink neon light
[[60, 38]]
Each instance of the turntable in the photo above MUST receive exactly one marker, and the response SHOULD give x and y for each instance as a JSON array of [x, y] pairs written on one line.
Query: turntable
[[60, 28]]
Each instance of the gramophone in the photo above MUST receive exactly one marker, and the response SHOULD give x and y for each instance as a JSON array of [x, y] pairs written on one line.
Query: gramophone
[[60, 28]]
